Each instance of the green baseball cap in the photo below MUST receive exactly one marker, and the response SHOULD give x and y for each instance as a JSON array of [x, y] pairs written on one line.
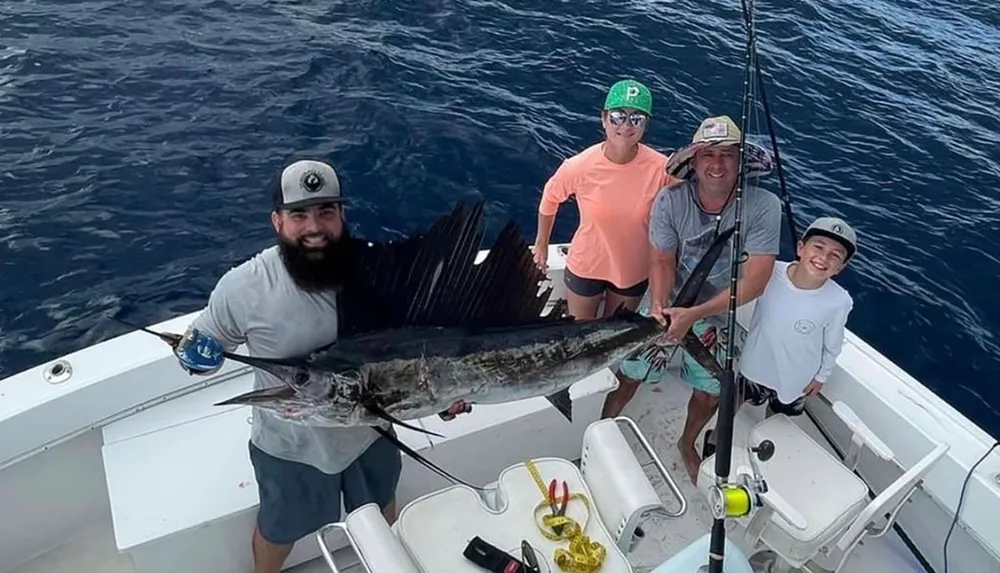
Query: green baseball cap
[[629, 93]]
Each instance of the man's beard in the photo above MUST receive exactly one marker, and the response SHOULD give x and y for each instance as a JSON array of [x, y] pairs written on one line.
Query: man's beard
[[318, 269]]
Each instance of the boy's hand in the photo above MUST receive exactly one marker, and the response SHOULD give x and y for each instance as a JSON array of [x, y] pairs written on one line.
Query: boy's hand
[[812, 389]]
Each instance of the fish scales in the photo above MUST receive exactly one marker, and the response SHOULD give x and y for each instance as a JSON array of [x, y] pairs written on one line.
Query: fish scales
[[494, 368]]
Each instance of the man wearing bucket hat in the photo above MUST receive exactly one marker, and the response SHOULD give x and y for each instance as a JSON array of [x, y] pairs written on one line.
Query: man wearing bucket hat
[[685, 220], [614, 183]]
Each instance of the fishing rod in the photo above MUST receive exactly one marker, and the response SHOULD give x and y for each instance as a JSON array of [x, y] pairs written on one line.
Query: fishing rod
[[727, 394], [786, 200], [793, 233]]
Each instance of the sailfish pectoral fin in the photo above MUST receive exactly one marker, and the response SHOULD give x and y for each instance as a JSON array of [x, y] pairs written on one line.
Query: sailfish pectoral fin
[[264, 396]]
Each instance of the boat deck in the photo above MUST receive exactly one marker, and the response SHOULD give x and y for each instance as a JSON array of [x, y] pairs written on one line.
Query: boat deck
[[659, 411]]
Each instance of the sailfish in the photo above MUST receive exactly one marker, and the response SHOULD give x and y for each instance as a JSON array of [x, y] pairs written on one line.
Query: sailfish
[[423, 325]]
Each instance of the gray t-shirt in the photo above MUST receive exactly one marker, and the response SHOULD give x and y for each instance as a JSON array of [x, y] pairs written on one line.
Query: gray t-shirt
[[258, 303], [678, 224]]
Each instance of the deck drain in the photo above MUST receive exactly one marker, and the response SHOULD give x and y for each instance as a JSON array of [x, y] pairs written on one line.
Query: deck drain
[[58, 372]]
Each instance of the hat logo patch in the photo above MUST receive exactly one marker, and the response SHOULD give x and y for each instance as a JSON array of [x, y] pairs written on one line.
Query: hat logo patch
[[311, 182], [632, 92], [717, 129], [838, 229]]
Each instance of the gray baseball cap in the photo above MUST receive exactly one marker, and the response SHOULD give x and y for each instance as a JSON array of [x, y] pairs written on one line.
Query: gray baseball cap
[[305, 182], [836, 229]]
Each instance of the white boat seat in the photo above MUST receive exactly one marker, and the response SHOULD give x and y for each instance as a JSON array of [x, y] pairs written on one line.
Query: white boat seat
[[877, 518], [623, 495], [436, 528], [372, 539], [827, 494], [695, 555]]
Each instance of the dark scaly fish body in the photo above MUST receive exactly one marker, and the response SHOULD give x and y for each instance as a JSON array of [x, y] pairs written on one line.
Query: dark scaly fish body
[[417, 372], [423, 325]]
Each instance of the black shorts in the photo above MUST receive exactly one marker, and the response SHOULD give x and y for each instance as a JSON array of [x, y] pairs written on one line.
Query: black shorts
[[594, 287], [758, 395], [297, 499]]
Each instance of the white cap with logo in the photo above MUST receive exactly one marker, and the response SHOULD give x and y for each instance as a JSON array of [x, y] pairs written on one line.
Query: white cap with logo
[[306, 182], [837, 229]]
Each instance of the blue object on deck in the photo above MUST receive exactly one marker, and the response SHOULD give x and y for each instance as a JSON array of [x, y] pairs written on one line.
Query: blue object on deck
[[689, 559]]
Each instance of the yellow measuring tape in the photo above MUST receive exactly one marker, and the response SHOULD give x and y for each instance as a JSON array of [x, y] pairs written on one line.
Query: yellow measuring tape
[[582, 555]]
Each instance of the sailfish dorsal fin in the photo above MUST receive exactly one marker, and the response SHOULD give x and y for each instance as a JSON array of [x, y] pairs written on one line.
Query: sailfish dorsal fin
[[432, 279]]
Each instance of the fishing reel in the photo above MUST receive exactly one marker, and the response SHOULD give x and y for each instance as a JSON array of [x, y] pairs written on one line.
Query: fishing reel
[[749, 492], [738, 498]]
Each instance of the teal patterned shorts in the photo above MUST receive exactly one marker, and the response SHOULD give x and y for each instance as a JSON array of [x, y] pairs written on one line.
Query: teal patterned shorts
[[643, 369]]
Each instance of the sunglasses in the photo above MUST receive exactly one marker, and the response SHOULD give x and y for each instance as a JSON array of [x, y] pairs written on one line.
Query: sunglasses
[[618, 117]]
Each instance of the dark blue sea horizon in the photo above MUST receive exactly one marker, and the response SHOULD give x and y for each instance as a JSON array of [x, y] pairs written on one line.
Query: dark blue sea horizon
[[137, 139]]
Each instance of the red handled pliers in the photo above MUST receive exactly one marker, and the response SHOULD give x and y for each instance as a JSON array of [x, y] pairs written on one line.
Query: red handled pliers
[[558, 510]]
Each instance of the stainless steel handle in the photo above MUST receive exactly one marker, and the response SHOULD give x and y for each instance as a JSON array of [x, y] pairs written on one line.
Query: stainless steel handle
[[321, 538], [659, 466]]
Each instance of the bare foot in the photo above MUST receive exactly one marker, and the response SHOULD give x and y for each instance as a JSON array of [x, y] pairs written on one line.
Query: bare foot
[[691, 461]]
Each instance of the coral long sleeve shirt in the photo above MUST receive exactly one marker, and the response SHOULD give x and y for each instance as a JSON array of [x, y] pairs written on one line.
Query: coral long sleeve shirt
[[612, 241]]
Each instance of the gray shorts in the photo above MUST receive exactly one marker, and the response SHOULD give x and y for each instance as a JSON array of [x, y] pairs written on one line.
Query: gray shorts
[[297, 499], [593, 287]]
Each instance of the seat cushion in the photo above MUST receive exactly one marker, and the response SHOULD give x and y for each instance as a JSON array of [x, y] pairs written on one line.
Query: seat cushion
[[809, 478], [436, 528]]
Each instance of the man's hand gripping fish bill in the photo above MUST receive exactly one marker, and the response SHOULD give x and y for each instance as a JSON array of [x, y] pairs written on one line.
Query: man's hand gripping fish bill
[[425, 331]]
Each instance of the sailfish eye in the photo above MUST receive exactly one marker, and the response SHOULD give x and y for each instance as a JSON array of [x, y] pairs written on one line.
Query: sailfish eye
[[301, 378]]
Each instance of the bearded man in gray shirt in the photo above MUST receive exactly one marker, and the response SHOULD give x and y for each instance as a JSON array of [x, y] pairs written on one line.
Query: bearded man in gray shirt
[[684, 222], [282, 303]]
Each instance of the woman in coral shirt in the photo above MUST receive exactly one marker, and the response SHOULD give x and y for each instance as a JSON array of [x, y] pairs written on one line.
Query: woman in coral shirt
[[614, 183]]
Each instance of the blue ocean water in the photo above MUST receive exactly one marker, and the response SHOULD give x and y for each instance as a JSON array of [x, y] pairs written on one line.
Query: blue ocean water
[[136, 139]]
